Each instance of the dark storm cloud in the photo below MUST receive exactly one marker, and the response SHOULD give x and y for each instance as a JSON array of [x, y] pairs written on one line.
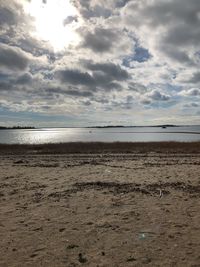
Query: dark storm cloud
[[101, 40], [13, 58]]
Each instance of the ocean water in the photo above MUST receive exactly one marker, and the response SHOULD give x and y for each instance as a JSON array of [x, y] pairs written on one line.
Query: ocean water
[[126, 134]]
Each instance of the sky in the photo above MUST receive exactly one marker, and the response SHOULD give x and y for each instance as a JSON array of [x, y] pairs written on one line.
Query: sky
[[99, 62]]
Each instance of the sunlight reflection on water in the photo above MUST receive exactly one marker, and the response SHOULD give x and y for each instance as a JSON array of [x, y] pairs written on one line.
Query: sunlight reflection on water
[[60, 135]]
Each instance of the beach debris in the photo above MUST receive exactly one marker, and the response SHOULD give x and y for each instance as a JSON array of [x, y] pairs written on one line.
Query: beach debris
[[160, 193], [145, 234], [142, 236], [81, 258]]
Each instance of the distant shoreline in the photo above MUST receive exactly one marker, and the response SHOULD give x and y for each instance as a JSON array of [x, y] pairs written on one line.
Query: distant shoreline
[[16, 128], [94, 127], [121, 126]]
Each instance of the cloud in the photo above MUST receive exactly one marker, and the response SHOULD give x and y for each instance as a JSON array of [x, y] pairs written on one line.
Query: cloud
[[91, 9], [5, 86], [137, 87], [7, 17], [99, 8], [26, 78], [71, 91], [146, 101], [13, 58], [75, 77], [191, 105], [100, 41], [111, 70], [105, 41], [96, 77], [70, 19], [173, 24], [157, 96], [195, 78], [191, 92]]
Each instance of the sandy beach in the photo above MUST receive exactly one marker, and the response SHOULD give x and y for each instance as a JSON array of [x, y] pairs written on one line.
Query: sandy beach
[[100, 205]]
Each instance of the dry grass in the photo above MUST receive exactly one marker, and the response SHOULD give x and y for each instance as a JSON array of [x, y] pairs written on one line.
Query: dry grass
[[99, 147]]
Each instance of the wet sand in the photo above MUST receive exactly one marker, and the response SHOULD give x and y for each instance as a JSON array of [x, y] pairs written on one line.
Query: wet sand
[[122, 205]]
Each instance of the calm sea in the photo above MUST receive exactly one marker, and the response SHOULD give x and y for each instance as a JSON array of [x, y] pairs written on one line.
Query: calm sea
[[132, 134]]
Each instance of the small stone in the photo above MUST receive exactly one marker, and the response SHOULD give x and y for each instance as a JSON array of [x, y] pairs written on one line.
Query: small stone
[[131, 259], [81, 258]]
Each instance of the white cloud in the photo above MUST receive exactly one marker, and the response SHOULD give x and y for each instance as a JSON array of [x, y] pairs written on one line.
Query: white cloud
[[191, 92]]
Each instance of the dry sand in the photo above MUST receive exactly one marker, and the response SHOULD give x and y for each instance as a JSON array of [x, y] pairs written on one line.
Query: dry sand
[[105, 209]]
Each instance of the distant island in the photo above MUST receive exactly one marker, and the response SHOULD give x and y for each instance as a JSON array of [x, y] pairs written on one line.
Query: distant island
[[92, 127], [121, 126], [16, 127]]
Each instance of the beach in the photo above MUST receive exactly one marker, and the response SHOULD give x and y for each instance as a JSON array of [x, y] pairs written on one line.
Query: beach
[[98, 204]]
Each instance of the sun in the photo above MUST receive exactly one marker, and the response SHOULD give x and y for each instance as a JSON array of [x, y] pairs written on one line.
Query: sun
[[55, 21]]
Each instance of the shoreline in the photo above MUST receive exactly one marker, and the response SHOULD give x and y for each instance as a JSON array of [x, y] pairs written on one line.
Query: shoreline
[[101, 147]]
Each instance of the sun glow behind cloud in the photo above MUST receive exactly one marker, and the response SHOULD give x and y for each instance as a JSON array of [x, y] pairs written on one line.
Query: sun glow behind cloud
[[49, 18]]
